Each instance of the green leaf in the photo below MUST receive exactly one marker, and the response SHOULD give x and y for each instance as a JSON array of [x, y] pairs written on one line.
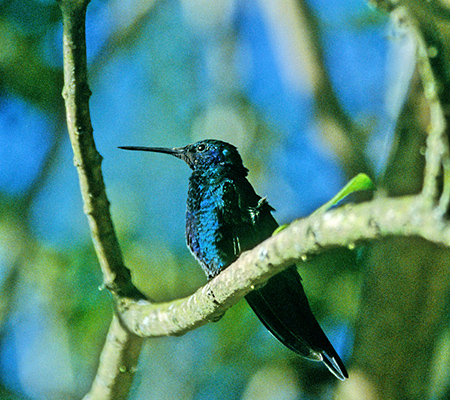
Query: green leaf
[[358, 183], [280, 228]]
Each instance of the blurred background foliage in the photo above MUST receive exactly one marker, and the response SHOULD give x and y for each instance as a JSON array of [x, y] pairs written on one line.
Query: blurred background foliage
[[166, 73]]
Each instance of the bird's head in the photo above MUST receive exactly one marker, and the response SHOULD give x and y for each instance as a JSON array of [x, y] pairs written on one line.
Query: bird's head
[[202, 155]]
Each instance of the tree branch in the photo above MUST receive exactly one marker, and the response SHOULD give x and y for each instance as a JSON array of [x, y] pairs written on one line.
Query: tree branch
[[86, 158], [437, 152], [346, 226], [405, 285], [118, 364], [121, 350], [437, 157]]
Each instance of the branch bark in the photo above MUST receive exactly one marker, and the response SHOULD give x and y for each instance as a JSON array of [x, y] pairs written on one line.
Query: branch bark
[[76, 93], [437, 152], [121, 350], [117, 365], [346, 226]]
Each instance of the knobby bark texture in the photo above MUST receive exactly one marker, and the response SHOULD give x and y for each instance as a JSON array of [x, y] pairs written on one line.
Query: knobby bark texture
[[121, 351], [346, 226], [76, 94], [402, 300]]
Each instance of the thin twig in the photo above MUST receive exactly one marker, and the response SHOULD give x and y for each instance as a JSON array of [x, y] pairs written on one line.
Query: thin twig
[[436, 154]]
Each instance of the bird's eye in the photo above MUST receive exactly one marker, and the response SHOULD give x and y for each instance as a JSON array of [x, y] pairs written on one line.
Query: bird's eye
[[201, 147]]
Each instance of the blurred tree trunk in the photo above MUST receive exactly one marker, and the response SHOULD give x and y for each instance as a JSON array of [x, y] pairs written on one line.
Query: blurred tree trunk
[[401, 308], [404, 295]]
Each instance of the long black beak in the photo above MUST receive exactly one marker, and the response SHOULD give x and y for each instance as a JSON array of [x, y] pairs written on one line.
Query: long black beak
[[176, 151]]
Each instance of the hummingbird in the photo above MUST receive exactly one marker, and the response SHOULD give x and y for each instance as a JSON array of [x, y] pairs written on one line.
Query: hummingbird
[[225, 217]]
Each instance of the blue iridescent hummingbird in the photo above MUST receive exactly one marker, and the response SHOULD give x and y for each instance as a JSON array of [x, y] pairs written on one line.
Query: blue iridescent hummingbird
[[225, 217]]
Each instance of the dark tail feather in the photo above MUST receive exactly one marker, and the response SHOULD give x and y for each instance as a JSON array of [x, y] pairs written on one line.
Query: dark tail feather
[[283, 308]]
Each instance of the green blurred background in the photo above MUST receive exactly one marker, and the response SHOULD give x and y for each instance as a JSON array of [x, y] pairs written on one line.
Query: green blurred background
[[167, 73]]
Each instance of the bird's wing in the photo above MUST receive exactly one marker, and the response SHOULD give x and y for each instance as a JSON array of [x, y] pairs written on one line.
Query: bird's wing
[[281, 304], [245, 217]]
